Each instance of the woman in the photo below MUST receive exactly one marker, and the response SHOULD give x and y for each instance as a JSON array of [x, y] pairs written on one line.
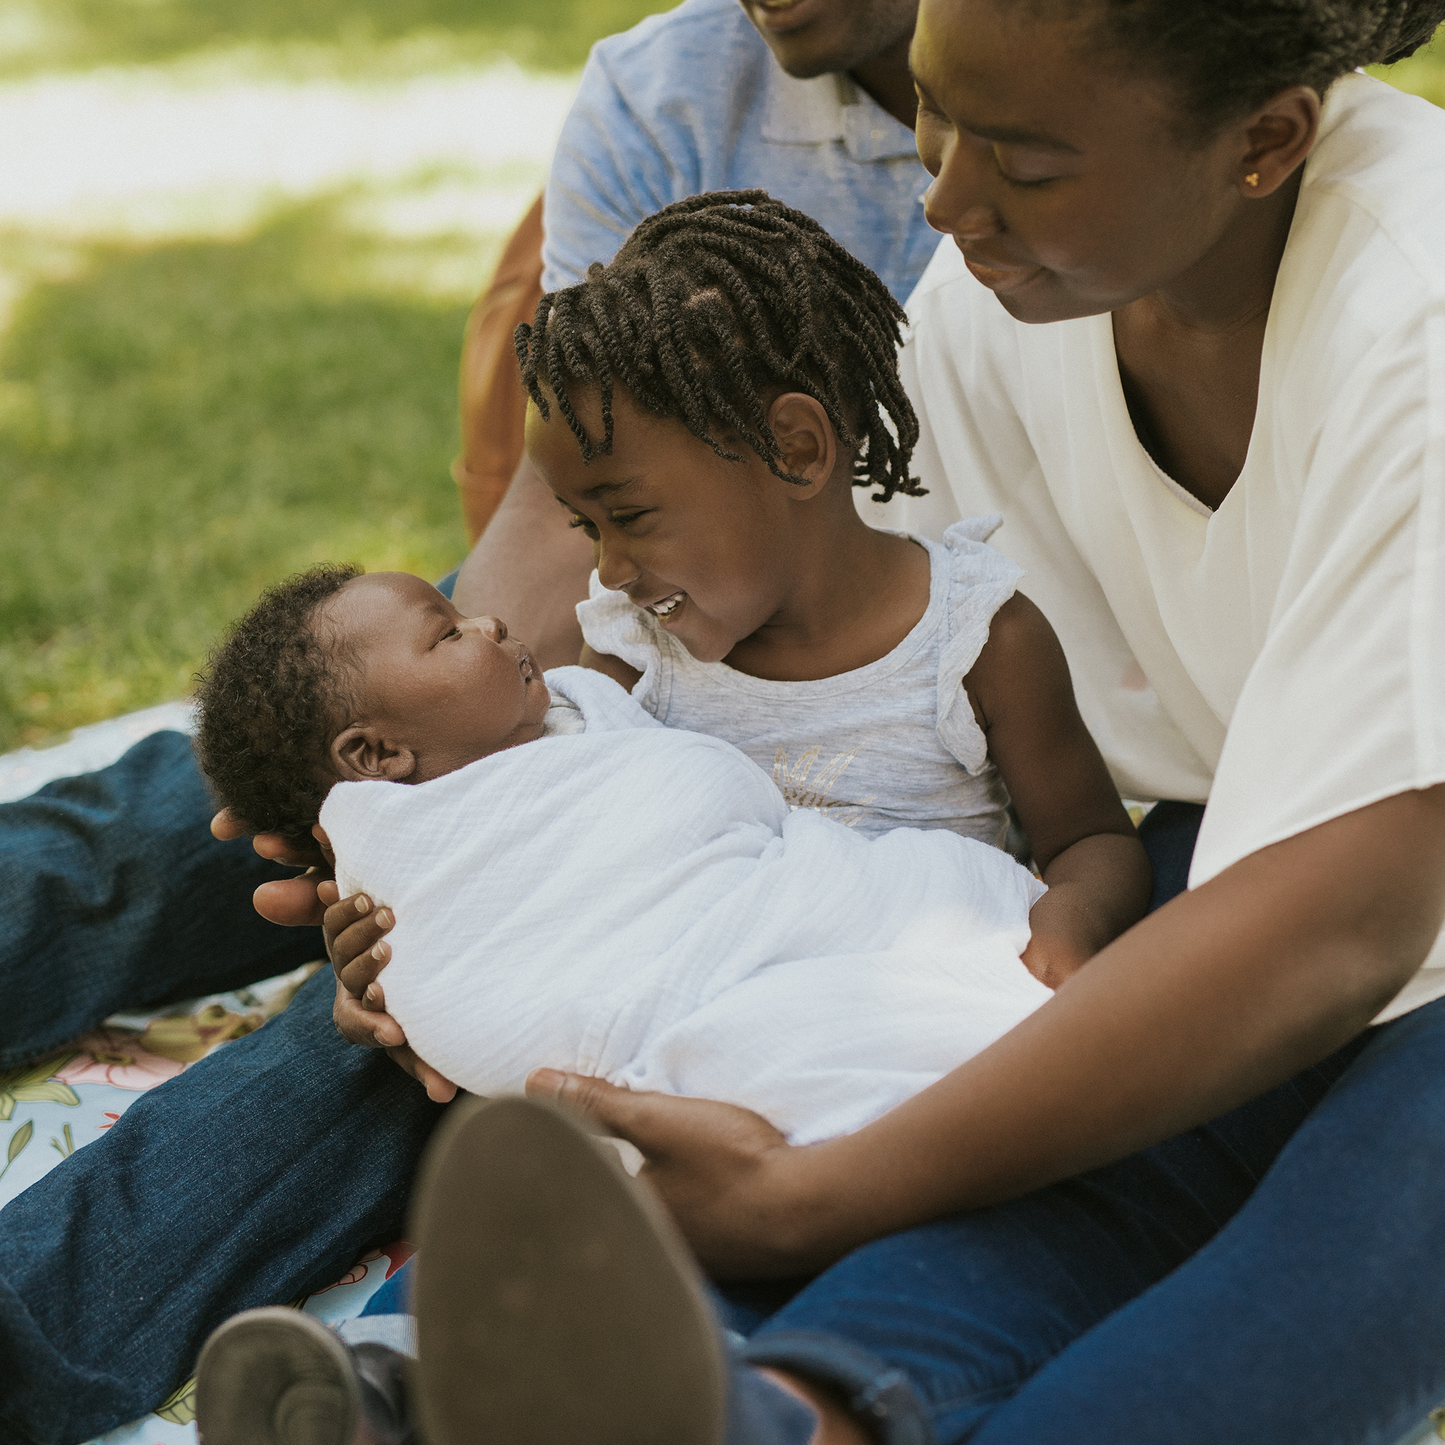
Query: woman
[[1208, 393]]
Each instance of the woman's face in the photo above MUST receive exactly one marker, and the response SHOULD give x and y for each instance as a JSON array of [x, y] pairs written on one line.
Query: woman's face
[[1061, 177]]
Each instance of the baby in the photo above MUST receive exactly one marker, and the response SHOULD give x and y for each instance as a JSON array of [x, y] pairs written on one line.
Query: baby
[[580, 887]]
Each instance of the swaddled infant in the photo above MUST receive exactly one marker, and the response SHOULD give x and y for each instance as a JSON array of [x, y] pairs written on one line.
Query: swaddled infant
[[577, 886]]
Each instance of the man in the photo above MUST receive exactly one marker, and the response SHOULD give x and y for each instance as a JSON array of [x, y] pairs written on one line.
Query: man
[[262, 1172]]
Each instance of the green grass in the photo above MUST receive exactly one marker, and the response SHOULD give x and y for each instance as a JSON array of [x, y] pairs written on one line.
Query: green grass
[[1422, 74], [182, 424], [349, 36]]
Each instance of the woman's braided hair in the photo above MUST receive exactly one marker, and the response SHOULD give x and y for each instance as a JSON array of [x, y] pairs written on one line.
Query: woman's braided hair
[[1229, 56], [268, 704], [708, 305]]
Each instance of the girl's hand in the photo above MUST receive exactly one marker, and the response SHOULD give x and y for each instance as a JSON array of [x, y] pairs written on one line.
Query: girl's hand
[[729, 1179], [354, 931]]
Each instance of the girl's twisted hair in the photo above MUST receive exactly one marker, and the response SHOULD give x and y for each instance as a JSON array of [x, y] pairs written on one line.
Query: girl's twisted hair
[[1228, 56], [709, 304]]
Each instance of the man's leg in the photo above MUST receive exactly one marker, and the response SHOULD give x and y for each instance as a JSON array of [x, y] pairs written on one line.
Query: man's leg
[[114, 895], [258, 1175]]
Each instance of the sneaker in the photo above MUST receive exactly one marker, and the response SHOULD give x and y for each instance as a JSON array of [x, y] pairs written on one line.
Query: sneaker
[[556, 1302], [279, 1377]]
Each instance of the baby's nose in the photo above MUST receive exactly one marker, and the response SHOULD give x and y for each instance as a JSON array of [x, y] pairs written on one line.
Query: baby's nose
[[493, 627]]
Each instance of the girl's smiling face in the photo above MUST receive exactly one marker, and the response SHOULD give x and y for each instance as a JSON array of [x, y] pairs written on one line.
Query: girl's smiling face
[[700, 542]]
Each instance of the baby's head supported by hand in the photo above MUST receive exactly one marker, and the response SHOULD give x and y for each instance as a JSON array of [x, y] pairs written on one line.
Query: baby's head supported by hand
[[338, 675]]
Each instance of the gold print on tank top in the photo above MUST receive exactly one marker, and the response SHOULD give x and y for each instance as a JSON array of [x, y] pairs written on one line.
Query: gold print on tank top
[[801, 790]]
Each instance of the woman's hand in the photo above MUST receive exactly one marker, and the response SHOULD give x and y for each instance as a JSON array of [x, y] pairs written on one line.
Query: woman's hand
[[728, 1178]]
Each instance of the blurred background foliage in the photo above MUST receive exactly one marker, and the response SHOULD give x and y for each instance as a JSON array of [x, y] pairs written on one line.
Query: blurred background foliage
[[349, 34], [184, 420], [187, 417]]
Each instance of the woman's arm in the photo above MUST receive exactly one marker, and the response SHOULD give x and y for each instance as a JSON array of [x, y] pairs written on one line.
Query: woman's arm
[[1082, 839], [1212, 1000]]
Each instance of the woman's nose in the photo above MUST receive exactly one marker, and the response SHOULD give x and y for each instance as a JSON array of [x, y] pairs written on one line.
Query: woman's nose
[[959, 202]]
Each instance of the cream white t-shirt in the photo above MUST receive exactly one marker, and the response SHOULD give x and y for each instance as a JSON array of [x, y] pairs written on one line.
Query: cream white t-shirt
[[1284, 656]]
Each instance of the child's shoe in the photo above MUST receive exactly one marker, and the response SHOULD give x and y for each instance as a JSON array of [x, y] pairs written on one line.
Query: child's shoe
[[555, 1300]]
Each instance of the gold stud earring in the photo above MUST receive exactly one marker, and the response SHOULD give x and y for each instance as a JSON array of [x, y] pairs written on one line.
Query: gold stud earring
[[1252, 179]]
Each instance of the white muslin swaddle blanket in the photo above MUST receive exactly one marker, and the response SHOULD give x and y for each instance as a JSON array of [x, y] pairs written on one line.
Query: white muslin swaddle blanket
[[638, 902]]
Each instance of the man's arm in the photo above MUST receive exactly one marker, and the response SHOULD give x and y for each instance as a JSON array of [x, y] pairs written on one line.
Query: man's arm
[[530, 569], [1222, 994]]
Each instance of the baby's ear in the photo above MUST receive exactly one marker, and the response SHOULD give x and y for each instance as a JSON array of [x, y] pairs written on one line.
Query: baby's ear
[[362, 755]]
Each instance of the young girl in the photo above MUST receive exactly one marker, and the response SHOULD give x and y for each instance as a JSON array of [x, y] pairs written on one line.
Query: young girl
[[701, 406]]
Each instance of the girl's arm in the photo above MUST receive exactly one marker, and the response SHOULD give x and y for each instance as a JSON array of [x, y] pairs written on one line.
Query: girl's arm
[[1222, 994], [1083, 842]]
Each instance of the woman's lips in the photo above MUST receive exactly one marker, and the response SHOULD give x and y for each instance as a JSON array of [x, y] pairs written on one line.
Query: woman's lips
[[1001, 278]]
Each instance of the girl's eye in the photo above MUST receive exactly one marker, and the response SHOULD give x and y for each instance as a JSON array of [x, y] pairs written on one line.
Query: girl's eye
[[584, 524], [626, 519]]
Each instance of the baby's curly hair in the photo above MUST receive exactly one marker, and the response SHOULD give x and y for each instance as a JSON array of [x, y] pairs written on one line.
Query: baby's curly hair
[[268, 703]]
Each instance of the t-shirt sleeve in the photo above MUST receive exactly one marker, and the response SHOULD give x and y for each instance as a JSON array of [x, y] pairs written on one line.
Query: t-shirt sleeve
[[611, 170], [1345, 702]]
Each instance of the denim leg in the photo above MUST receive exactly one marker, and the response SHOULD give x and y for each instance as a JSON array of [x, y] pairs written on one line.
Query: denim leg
[[969, 1308], [1317, 1317], [115, 896], [1168, 834], [259, 1174]]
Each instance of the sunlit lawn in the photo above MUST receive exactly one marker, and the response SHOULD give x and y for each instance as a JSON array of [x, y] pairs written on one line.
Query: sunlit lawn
[[184, 421], [182, 424]]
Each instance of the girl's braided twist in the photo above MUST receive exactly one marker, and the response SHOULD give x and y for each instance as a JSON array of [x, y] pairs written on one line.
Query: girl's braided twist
[[710, 303]]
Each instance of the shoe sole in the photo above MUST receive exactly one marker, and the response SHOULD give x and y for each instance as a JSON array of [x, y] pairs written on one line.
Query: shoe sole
[[275, 1377], [556, 1302]]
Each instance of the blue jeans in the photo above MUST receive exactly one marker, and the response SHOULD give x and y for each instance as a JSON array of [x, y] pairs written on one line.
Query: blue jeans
[[1269, 1278], [259, 1174]]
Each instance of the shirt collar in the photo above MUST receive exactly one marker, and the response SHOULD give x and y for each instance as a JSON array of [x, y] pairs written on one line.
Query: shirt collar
[[831, 108]]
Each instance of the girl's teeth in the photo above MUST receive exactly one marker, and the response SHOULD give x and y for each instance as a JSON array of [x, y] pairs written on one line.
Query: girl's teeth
[[667, 605]]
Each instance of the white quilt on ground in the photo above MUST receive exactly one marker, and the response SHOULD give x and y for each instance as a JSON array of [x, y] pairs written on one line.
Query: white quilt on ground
[[639, 902]]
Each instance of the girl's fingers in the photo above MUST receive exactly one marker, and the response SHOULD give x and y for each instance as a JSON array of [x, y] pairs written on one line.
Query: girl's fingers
[[358, 1025], [354, 930]]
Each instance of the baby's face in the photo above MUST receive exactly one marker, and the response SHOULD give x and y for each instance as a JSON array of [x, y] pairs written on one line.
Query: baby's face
[[443, 688]]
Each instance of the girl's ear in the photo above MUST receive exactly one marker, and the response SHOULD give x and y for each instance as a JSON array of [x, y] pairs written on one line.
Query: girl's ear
[[362, 755], [808, 441]]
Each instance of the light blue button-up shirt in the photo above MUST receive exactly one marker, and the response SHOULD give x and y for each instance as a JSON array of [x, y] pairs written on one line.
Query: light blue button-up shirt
[[693, 101]]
